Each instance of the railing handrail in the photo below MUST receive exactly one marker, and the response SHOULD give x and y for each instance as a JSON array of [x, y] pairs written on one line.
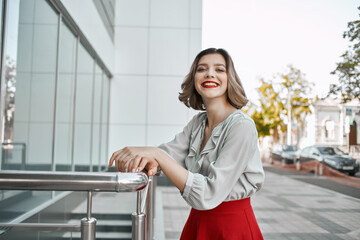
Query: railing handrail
[[83, 181], [72, 181]]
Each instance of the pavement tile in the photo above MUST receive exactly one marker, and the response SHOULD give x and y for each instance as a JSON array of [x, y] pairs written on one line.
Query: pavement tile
[[285, 208]]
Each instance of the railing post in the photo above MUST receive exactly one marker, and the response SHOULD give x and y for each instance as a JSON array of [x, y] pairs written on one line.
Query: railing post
[[150, 208], [88, 224], [138, 221]]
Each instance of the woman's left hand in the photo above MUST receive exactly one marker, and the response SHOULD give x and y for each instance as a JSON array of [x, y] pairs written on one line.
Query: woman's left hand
[[135, 159]]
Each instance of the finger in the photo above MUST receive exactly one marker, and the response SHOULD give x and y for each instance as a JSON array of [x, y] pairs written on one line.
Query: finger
[[113, 157], [149, 165], [143, 163], [118, 155], [129, 165], [126, 163], [120, 158], [120, 162], [124, 159], [135, 163], [152, 168], [117, 165], [152, 171]]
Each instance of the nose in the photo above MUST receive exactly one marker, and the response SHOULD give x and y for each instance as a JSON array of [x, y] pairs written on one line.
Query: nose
[[210, 73]]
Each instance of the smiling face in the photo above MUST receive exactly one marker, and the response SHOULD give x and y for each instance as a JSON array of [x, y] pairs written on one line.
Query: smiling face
[[211, 77]]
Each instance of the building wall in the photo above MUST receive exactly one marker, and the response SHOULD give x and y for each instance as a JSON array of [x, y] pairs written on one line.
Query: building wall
[[155, 44], [329, 114], [308, 137], [87, 18]]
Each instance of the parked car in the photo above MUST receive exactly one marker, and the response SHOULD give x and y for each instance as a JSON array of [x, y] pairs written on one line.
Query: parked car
[[284, 153], [332, 157]]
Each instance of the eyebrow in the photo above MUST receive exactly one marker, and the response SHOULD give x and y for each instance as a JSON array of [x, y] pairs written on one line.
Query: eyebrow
[[216, 64]]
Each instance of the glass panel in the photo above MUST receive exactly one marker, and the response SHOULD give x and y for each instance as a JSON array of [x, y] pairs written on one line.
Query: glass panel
[[65, 99], [104, 122], [83, 110], [35, 87], [9, 150], [31, 43], [95, 154]]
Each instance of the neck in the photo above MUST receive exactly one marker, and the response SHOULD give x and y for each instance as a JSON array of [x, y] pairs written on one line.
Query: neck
[[217, 112]]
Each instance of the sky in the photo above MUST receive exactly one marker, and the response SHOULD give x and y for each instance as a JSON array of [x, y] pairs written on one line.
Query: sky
[[265, 36]]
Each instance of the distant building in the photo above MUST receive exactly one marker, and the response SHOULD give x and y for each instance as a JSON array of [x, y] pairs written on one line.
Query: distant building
[[333, 123]]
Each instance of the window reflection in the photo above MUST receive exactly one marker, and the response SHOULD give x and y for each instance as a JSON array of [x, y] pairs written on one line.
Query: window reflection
[[9, 150]]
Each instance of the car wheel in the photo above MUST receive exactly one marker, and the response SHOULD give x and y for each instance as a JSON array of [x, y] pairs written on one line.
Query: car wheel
[[351, 173]]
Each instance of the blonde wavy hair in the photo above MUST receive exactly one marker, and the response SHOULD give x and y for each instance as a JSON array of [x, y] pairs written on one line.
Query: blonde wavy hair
[[235, 92]]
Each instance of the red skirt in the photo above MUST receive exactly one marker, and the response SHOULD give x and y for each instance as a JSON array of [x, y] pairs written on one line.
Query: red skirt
[[233, 220]]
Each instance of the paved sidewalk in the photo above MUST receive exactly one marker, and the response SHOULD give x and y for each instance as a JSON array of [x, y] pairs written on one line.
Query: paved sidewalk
[[285, 209]]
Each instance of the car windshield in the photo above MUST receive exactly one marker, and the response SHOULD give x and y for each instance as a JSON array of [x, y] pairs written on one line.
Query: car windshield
[[339, 152], [330, 151], [289, 148]]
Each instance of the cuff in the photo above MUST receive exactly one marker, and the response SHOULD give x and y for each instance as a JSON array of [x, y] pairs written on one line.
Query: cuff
[[188, 185]]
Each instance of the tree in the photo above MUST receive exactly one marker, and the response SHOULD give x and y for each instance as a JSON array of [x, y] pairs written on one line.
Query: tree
[[267, 117], [271, 116], [9, 105], [348, 70], [295, 84]]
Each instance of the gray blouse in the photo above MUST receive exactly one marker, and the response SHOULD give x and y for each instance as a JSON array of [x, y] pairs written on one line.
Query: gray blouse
[[229, 166]]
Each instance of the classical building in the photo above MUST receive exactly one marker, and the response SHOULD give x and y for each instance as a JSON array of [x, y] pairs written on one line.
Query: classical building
[[333, 123]]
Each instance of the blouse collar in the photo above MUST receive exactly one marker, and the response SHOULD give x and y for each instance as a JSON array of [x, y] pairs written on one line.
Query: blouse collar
[[212, 142]]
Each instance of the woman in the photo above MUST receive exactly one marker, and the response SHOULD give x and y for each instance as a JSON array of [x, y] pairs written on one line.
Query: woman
[[215, 161]]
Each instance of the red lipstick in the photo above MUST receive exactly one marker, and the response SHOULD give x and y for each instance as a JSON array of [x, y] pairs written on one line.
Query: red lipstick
[[210, 84]]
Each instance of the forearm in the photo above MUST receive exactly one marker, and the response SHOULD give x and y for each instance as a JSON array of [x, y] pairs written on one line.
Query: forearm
[[176, 173]]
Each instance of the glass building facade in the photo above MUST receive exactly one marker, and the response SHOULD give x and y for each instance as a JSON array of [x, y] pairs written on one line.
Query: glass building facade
[[81, 79], [54, 100]]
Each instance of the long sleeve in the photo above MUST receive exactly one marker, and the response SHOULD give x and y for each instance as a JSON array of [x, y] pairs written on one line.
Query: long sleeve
[[178, 148], [235, 173]]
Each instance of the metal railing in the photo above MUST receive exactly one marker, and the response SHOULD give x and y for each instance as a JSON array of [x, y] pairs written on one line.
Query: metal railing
[[142, 223]]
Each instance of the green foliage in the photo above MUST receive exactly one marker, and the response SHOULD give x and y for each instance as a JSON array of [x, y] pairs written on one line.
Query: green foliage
[[348, 70], [295, 84], [270, 115]]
